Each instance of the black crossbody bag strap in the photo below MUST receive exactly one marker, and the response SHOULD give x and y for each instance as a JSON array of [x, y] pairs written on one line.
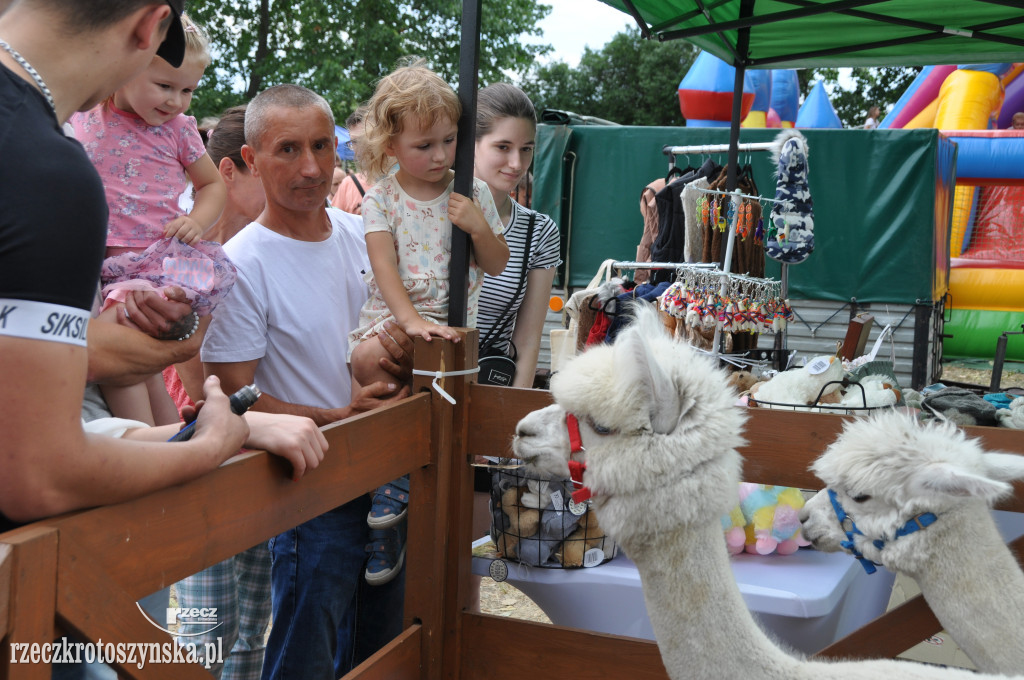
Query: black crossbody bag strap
[[497, 331], [359, 186]]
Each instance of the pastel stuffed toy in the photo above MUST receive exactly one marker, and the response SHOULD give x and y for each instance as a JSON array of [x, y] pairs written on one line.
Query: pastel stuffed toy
[[772, 518], [733, 525]]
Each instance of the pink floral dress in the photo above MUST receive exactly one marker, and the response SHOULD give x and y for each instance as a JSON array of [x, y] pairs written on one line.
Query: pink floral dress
[[423, 244]]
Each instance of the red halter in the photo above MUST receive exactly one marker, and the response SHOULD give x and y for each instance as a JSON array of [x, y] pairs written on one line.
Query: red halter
[[576, 468]]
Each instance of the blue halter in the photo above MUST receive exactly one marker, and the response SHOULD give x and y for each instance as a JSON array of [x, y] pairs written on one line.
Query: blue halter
[[913, 525]]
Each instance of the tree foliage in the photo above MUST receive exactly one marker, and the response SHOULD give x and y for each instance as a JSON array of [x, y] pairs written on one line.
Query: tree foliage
[[633, 81], [880, 87], [340, 49], [630, 80]]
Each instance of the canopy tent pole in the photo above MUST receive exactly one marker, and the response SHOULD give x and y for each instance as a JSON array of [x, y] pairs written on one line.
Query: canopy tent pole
[[732, 168], [469, 63]]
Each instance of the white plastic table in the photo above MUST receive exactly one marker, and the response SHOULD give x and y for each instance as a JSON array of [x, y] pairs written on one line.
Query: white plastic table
[[806, 600]]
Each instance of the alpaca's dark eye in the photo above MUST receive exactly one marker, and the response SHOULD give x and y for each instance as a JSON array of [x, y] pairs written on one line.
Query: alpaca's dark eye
[[599, 429], [861, 498]]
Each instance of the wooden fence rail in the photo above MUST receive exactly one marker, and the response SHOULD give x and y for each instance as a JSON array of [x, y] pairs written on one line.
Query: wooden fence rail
[[81, 573]]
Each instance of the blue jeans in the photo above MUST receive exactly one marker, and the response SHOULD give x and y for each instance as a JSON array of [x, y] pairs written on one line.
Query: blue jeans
[[326, 619]]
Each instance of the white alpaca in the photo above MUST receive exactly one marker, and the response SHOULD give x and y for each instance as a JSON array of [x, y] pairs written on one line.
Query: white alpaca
[[887, 470], [660, 433]]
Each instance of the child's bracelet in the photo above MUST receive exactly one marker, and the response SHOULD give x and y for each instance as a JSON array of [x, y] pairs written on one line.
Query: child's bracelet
[[195, 327]]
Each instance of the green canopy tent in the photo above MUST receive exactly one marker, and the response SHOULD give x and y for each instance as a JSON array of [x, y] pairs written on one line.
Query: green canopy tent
[[795, 33]]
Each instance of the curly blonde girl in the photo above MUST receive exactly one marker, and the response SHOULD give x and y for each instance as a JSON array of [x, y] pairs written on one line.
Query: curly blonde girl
[[410, 95]]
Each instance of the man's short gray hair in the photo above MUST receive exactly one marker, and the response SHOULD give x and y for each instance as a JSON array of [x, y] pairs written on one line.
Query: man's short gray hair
[[285, 96]]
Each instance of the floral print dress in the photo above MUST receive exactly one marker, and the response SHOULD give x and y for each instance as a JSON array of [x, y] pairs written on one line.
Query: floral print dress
[[423, 245]]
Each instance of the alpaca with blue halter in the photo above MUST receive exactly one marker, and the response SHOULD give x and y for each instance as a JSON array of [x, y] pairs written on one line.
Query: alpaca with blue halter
[[921, 494]]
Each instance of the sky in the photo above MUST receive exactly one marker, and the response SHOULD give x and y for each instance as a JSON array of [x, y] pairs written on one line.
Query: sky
[[576, 24]]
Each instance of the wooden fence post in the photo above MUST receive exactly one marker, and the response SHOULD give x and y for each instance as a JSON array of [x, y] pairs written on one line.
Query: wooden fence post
[[32, 601]]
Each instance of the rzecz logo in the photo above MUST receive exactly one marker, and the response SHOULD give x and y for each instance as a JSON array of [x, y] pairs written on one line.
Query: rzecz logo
[[187, 619]]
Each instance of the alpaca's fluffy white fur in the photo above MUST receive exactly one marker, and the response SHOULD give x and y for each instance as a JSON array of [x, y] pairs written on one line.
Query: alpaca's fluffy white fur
[[660, 431], [896, 469]]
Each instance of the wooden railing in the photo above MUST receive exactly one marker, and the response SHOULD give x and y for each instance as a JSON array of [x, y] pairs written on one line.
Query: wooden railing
[[81, 573]]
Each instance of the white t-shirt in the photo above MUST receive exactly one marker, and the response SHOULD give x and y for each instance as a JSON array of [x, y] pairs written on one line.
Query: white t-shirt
[[292, 307]]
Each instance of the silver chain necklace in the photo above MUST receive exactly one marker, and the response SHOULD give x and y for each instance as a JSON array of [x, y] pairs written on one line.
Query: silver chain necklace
[[23, 63]]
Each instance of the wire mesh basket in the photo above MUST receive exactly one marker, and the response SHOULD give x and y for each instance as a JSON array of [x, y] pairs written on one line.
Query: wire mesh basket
[[842, 409], [534, 521]]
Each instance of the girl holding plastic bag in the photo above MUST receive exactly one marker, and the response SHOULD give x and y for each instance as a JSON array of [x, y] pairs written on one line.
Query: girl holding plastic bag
[[146, 151]]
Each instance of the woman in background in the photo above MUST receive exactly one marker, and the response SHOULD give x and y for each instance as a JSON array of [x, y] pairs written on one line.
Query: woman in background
[[513, 304]]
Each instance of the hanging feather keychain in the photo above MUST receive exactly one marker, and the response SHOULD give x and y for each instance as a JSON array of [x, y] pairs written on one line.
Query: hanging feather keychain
[[743, 222]]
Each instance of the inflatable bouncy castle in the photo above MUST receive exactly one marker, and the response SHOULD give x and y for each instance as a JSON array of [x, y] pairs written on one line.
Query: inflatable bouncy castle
[[817, 111], [770, 97], [973, 105], [705, 94]]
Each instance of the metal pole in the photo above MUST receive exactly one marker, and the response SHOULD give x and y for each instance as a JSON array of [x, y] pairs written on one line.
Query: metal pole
[[732, 170], [469, 62]]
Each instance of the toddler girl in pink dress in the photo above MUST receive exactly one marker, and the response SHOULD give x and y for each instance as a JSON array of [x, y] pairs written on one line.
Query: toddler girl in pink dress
[[146, 151]]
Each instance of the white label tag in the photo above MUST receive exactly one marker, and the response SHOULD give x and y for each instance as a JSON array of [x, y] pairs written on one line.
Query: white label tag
[[819, 365], [498, 570], [878, 343], [556, 501], [593, 557]]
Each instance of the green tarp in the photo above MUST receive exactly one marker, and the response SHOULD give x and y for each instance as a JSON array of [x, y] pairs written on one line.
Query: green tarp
[[794, 33], [881, 202]]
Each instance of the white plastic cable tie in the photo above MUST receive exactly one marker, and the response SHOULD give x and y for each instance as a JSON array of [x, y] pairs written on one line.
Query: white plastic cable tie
[[438, 375]]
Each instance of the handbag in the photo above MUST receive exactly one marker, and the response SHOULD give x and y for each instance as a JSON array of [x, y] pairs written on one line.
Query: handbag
[[496, 367]]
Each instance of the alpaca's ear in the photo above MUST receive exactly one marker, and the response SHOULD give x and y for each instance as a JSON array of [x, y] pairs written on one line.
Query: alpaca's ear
[[1004, 466], [954, 480], [638, 369]]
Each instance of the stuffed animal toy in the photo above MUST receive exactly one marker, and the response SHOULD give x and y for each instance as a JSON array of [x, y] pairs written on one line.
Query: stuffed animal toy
[[734, 525], [527, 526], [522, 522], [742, 380], [587, 536], [537, 496], [772, 515], [879, 390], [802, 385], [1012, 416]]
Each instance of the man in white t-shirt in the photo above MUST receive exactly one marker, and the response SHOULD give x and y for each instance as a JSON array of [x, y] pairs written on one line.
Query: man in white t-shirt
[[284, 326]]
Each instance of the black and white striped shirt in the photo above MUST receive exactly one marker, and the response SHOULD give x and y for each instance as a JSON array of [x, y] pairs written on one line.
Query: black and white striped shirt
[[498, 290]]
